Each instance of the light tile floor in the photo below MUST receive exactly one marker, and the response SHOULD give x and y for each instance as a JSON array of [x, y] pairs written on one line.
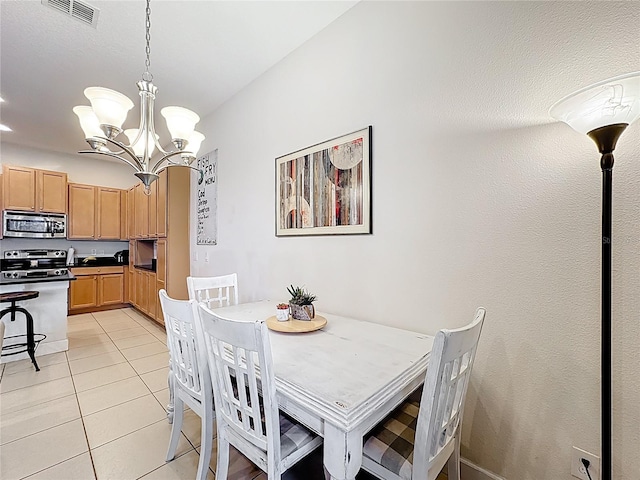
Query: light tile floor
[[97, 411]]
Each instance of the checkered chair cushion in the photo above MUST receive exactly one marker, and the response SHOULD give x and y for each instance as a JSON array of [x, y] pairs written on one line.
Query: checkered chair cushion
[[293, 436], [391, 443]]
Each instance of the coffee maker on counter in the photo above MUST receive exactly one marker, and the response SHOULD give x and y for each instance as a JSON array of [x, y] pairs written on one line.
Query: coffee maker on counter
[[122, 256]]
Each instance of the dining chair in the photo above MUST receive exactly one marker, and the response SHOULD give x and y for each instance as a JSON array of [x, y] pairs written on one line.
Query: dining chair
[[189, 377], [246, 406], [423, 434], [218, 291]]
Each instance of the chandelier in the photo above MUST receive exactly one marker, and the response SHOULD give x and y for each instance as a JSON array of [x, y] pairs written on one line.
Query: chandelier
[[102, 124]]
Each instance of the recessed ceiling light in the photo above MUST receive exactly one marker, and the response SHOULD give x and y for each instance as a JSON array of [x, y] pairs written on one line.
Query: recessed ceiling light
[[4, 128]]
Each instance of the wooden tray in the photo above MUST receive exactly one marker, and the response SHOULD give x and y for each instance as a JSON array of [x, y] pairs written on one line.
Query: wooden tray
[[296, 326]]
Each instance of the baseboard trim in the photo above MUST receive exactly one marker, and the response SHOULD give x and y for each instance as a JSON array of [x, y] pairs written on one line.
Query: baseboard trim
[[471, 471]]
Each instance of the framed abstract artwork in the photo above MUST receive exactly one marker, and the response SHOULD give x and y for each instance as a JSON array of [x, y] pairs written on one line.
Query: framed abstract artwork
[[326, 189]]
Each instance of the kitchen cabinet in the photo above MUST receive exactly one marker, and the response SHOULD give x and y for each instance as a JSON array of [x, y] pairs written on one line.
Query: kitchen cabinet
[[96, 287], [171, 249], [108, 214], [131, 213], [146, 292], [173, 257], [126, 284], [132, 272], [161, 204], [141, 212], [94, 212], [81, 223], [124, 215], [34, 190], [83, 292]]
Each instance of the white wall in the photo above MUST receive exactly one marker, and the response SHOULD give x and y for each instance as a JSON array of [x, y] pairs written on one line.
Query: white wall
[[478, 199], [80, 168]]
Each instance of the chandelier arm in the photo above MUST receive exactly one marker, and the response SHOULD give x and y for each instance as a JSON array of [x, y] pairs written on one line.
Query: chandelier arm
[[155, 168], [111, 154], [170, 164], [127, 150]]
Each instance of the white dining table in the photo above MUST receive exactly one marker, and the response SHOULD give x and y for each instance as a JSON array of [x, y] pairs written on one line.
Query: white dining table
[[342, 380]]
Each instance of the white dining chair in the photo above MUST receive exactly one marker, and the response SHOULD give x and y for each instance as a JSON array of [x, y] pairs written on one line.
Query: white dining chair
[[423, 434], [218, 291], [249, 421], [189, 377]]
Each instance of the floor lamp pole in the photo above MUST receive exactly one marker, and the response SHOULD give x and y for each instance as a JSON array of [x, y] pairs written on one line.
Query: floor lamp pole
[[607, 184], [603, 111], [606, 138]]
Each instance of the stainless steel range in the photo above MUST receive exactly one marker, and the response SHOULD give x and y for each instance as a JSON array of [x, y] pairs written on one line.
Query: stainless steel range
[[34, 264]]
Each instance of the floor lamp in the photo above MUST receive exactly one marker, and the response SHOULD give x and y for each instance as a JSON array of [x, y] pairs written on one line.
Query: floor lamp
[[603, 111]]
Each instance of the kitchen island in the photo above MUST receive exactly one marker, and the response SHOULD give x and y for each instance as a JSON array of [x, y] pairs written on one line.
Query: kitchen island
[[49, 312]]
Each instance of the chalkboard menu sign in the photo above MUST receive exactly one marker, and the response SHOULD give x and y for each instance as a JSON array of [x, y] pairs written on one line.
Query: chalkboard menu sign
[[207, 201]]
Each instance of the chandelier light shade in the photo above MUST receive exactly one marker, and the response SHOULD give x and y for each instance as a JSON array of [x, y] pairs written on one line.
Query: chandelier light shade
[[102, 125], [88, 122], [138, 143], [603, 111], [110, 107], [180, 122]]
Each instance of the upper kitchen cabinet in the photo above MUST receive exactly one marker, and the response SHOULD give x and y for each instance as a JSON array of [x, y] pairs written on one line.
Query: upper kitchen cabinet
[[124, 215], [141, 212], [94, 212], [81, 224], [34, 190]]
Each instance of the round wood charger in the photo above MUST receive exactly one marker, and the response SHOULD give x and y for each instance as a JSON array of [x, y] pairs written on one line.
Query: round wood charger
[[296, 326]]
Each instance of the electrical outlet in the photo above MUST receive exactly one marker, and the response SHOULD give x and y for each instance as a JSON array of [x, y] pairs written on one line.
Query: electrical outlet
[[577, 468], [206, 257], [93, 251]]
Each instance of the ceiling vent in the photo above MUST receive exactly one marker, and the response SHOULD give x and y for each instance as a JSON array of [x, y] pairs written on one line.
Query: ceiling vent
[[81, 11]]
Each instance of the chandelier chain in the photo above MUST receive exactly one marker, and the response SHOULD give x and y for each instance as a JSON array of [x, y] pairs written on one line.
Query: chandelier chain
[[147, 74]]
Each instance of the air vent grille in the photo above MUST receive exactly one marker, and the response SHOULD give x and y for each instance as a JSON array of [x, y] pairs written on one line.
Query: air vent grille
[[81, 11], [63, 5]]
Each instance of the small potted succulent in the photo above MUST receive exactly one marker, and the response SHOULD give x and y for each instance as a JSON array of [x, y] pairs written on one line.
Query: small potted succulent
[[301, 303], [282, 312]]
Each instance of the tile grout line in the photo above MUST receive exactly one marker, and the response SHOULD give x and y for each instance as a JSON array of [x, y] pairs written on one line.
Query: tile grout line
[[75, 393], [84, 428], [141, 428]]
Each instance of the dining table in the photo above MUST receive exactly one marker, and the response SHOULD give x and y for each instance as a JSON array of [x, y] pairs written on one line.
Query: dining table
[[342, 380]]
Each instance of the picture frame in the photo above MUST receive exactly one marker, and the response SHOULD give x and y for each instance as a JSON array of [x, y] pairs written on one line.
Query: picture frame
[[325, 189]]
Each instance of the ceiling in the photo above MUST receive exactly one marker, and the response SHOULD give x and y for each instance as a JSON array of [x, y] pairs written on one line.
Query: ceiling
[[202, 53]]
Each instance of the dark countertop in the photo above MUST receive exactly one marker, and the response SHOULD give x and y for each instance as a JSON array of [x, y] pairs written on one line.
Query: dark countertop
[[80, 262], [149, 268], [19, 281]]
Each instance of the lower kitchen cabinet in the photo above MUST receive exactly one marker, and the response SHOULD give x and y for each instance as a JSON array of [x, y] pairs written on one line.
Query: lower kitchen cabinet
[[96, 287], [83, 292], [145, 292]]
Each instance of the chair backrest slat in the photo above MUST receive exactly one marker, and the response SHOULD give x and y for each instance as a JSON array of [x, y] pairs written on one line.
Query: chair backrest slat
[[187, 367], [214, 292], [232, 348], [444, 392]]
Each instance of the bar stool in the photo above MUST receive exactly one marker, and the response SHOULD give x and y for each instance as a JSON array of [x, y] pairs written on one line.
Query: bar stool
[[32, 342]]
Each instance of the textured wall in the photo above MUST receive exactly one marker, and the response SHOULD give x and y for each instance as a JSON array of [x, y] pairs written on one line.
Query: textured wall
[[478, 199]]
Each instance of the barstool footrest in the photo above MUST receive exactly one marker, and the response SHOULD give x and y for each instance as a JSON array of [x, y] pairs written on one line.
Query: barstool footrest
[[37, 338]]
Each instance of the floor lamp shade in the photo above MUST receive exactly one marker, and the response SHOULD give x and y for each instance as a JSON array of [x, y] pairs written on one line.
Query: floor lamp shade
[[610, 102], [603, 111]]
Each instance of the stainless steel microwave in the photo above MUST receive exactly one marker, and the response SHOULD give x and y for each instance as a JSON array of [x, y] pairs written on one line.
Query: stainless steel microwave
[[34, 225]]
